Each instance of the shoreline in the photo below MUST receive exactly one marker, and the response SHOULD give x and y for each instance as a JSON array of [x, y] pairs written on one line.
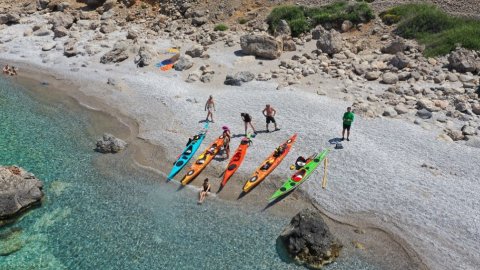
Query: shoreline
[[142, 152]]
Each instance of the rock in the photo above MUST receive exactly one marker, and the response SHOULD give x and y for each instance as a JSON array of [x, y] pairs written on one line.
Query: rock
[[468, 130], [400, 61], [318, 32], [110, 144], [424, 114], [360, 69], [117, 54], [9, 18], [49, 45], [465, 78], [330, 43], [19, 190], [109, 4], [94, 3], [199, 21], [184, 62], [70, 48], [131, 34], [289, 46], [59, 32], [389, 112], [473, 142], [195, 51], [444, 138], [425, 103], [42, 32], [193, 77], [395, 47], [264, 76], [108, 27], [144, 57], [309, 241], [239, 78], [346, 26], [389, 78], [463, 60], [401, 109], [263, 46], [462, 106], [456, 135], [372, 75], [452, 77], [206, 78], [283, 29], [476, 109], [61, 19], [439, 78]]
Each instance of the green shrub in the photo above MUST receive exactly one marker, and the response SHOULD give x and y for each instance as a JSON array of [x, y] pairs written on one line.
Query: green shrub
[[438, 31], [220, 27], [302, 19], [242, 20]]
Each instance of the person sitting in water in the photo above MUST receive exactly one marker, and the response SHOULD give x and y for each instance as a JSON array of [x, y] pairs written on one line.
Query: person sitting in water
[[6, 69], [13, 71], [204, 191]]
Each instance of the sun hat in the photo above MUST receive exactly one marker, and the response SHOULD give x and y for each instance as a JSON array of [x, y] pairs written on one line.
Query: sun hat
[[225, 128]]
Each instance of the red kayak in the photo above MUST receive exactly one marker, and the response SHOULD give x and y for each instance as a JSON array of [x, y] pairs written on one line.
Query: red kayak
[[236, 160]]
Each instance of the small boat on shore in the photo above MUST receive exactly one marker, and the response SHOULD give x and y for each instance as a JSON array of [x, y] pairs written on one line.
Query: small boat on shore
[[236, 160]]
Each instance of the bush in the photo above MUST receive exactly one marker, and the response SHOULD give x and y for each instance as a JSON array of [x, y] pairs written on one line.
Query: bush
[[438, 31], [220, 27], [242, 21], [302, 19]]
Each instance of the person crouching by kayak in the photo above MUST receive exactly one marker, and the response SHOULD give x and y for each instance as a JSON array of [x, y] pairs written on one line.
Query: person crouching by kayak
[[204, 191], [226, 140], [347, 123], [247, 119]]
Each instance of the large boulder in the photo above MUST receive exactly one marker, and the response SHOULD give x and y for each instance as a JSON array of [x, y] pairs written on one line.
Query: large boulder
[[283, 29], [239, 78], [94, 3], [308, 240], [9, 18], [144, 57], [330, 43], [117, 54], [400, 61], [184, 62], [463, 60], [395, 47], [70, 48], [18, 191], [263, 46], [195, 51], [61, 19], [318, 32], [109, 144]]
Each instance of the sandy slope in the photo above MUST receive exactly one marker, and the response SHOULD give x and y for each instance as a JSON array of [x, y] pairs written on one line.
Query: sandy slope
[[377, 178]]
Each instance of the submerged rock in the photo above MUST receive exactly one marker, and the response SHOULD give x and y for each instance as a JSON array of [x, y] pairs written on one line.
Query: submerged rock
[[110, 144], [19, 190], [309, 241]]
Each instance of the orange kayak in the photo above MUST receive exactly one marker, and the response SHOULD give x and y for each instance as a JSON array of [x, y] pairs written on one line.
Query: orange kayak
[[236, 160], [269, 164], [203, 160]]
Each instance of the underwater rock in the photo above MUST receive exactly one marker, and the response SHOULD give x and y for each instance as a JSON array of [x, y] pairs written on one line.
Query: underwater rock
[[308, 240], [19, 190], [110, 144]]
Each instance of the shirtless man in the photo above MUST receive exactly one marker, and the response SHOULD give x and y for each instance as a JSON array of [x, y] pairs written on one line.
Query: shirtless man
[[210, 107], [269, 113]]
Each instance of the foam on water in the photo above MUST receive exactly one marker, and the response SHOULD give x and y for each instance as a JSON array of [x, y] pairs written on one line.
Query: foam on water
[[101, 212]]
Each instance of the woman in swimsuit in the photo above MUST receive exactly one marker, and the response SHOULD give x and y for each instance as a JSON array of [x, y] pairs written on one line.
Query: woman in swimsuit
[[204, 191], [209, 106], [226, 140], [247, 119]]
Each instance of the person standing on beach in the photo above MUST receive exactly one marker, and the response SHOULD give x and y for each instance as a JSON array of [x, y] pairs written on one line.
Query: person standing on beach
[[347, 123], [269, 113], [226, 140], [247, 119], [210, 107]]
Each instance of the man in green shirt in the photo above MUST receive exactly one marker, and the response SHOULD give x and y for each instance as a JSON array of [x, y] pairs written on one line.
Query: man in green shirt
[[347, 123]]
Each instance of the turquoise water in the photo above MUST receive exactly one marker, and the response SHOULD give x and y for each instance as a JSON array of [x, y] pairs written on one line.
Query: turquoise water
[[100, 212]]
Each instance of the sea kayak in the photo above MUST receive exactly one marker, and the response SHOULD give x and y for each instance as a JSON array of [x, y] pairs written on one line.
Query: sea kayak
[[203, 160], [300, 175], [188, 152], [269, 164], [236, 160]]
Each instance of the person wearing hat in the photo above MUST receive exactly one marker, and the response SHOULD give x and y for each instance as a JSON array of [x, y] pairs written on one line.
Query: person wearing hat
[[226, 140]]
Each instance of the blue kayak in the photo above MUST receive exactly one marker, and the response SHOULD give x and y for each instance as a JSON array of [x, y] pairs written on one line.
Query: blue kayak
[[188, 152]]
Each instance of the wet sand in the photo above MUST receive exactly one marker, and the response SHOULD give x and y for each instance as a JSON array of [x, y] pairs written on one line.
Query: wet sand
[[381, 248]]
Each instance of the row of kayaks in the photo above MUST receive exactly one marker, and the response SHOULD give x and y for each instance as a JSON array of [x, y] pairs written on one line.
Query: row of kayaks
[[261, 172]]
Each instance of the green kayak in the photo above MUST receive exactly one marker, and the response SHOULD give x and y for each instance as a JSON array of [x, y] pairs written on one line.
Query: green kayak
[[300, 176]]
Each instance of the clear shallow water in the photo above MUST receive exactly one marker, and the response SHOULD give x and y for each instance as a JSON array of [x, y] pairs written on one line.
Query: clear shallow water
[[102, 213]]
